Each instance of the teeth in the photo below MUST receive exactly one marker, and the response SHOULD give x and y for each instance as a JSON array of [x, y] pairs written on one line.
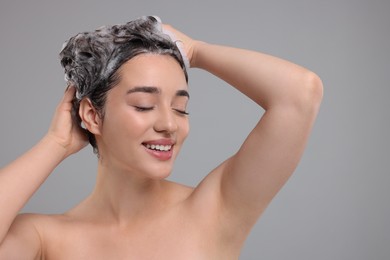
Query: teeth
[[158, 147]]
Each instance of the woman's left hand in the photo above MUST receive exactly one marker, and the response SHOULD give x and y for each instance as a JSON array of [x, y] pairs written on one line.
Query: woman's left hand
[[185, 43]]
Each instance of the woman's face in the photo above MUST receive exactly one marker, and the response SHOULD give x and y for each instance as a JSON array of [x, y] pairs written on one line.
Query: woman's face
[[145, 121]]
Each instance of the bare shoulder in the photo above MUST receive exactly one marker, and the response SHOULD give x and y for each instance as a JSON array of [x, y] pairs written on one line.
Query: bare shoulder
[[31, 225], [27, 226], [207, 192], [208, 204], [38, 222], [41, 224], [57, 230], [178, 192], [37, 219], [24, 238]]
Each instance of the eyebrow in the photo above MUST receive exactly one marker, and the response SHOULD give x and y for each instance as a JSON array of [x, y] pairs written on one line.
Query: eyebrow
[[183, 93], [144, 89], [155, 90]]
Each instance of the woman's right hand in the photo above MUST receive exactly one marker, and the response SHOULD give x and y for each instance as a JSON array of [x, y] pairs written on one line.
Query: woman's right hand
[[63, 130]]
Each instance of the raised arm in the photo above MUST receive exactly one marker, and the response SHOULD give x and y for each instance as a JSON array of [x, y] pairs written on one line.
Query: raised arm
[[290, 96], [21, 178]]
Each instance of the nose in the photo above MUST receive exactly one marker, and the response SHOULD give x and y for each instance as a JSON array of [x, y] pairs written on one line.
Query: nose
[[166, 121]]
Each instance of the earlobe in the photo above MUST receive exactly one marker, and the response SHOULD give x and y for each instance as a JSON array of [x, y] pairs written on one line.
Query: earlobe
[[89, 116]]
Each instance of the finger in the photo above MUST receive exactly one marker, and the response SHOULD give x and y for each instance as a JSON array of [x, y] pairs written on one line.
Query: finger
[[67, 98], [168, 30], [69, 93]]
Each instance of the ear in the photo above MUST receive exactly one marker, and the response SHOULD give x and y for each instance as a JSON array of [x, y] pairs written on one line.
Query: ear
[[89, 116]]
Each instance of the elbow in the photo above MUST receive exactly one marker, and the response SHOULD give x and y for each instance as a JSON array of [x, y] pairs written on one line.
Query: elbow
[[315, 87], [310, 96]]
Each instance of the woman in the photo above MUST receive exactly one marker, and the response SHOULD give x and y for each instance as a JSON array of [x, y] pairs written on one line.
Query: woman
[[132, 109]]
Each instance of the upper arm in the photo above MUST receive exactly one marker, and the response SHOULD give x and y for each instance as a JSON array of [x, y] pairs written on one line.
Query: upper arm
[[268, 157], [244, 185], [22, 240]]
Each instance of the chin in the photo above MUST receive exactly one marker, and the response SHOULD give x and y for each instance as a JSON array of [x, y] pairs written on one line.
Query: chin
[[158, 172]]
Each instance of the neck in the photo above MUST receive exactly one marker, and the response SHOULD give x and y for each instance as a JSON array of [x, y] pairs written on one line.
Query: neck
[[125, 196]]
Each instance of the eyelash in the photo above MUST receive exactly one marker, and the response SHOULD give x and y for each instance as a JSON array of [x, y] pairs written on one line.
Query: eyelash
[[182, 112], [144, 109]]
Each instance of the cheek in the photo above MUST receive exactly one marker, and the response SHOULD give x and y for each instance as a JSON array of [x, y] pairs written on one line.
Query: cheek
[[185, 129], [125, 123]]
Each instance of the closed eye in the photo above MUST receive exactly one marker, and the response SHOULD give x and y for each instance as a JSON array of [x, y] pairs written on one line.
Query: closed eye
[[143, 109], [181, 111]]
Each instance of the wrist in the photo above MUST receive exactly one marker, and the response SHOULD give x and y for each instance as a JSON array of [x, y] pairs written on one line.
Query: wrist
[[53, 145], [197, 48]]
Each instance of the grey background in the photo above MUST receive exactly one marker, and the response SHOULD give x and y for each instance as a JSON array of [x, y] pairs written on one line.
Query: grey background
[[336, 204]]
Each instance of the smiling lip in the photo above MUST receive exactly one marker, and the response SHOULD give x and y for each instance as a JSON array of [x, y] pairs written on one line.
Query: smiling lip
[[161, 155], [160, 142]]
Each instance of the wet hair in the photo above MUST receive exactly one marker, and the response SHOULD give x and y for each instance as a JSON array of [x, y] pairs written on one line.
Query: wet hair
[[91, 59]]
